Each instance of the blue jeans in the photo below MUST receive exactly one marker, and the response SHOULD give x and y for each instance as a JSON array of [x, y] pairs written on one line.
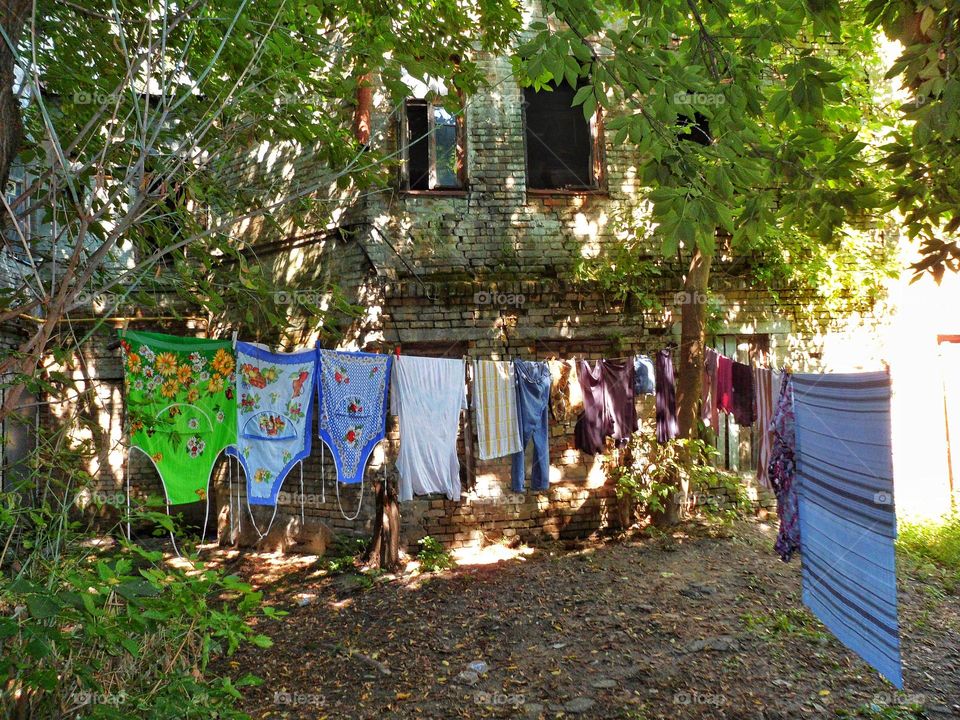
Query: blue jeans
[[533, 406]]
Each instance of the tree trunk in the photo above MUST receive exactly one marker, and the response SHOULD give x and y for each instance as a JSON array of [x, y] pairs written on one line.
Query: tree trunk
[[361, 112], [384, 548], [13, 16], [693, 321]]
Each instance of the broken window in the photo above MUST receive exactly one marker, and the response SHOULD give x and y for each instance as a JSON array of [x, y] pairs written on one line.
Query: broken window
[[562, 145], [433, 147]]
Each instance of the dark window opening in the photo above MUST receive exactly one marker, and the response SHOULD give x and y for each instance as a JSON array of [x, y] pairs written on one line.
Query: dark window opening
[[698, 129], [560, 141], [433, 139]]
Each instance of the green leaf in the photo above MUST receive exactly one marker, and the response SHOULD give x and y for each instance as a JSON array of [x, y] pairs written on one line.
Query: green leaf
[[43, 607]]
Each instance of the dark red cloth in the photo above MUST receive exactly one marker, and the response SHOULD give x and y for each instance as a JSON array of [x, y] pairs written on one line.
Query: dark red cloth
[[725, 383], [742, 381]]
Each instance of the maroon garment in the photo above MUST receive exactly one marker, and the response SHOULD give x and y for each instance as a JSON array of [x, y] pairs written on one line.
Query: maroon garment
[[667, 427], [608, 406], [743, 411], [725, 383]]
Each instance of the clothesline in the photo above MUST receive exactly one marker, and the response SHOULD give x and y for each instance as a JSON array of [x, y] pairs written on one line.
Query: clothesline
[[190, 399]]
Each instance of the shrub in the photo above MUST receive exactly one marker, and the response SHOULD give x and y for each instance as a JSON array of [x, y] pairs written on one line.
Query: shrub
[[432, 555], [653, 470], [108, 629]]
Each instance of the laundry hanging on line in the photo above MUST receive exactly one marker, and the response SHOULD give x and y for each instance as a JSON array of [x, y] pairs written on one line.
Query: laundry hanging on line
[[533, 403], [709, 411], [644, 376], [269, 426], [667, 425], [741, 376], [566, 396], [764, 401], [495, 408], [608, 406], [725, 383], [352, 397], [782, 470]]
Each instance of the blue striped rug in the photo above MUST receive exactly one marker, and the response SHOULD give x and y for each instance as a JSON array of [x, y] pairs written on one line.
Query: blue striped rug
[[847, 518]]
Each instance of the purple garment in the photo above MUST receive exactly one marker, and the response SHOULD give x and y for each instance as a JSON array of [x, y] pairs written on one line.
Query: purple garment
[[782, 471], [618, 387], [608, 406], [743, 410], [667, 428], [724, 383], [590, 431]]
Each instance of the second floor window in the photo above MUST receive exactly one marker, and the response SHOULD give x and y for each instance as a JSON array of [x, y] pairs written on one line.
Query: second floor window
[[433, 141], [563, 147]]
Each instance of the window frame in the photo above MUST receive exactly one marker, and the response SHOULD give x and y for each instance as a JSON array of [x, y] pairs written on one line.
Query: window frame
[[461, 150], [17, 183], [598, 164]]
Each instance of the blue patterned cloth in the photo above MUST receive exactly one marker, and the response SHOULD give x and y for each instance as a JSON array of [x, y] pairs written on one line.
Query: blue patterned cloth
[[352, 394], [274, 404], [847, 519]]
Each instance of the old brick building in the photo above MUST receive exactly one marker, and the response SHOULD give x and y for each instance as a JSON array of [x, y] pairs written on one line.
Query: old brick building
[[481, 247]]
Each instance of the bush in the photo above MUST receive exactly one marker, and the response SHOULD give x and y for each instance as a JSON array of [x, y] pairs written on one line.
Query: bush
[[432, 555], [654, 470], [109, 630]]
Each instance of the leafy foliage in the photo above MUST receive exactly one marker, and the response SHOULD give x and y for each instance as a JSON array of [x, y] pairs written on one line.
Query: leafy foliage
[[113, 631], [342, 556], [433, 555], [652, 469], [781, 88], [936, 541], [146, 131], [923, 151]]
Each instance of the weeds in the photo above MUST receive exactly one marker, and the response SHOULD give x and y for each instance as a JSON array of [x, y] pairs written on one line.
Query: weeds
[[343, 555], [873, 711], [934, 546], [433, 556], [795, 622]]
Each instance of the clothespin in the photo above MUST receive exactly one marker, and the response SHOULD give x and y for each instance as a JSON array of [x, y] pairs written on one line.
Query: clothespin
[[234, 340], [396, 351]]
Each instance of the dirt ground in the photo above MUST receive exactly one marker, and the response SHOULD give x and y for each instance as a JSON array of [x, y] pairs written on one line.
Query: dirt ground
[[704, 623]]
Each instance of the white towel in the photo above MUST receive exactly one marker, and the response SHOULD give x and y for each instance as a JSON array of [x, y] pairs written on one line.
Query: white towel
[[427, 394]]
